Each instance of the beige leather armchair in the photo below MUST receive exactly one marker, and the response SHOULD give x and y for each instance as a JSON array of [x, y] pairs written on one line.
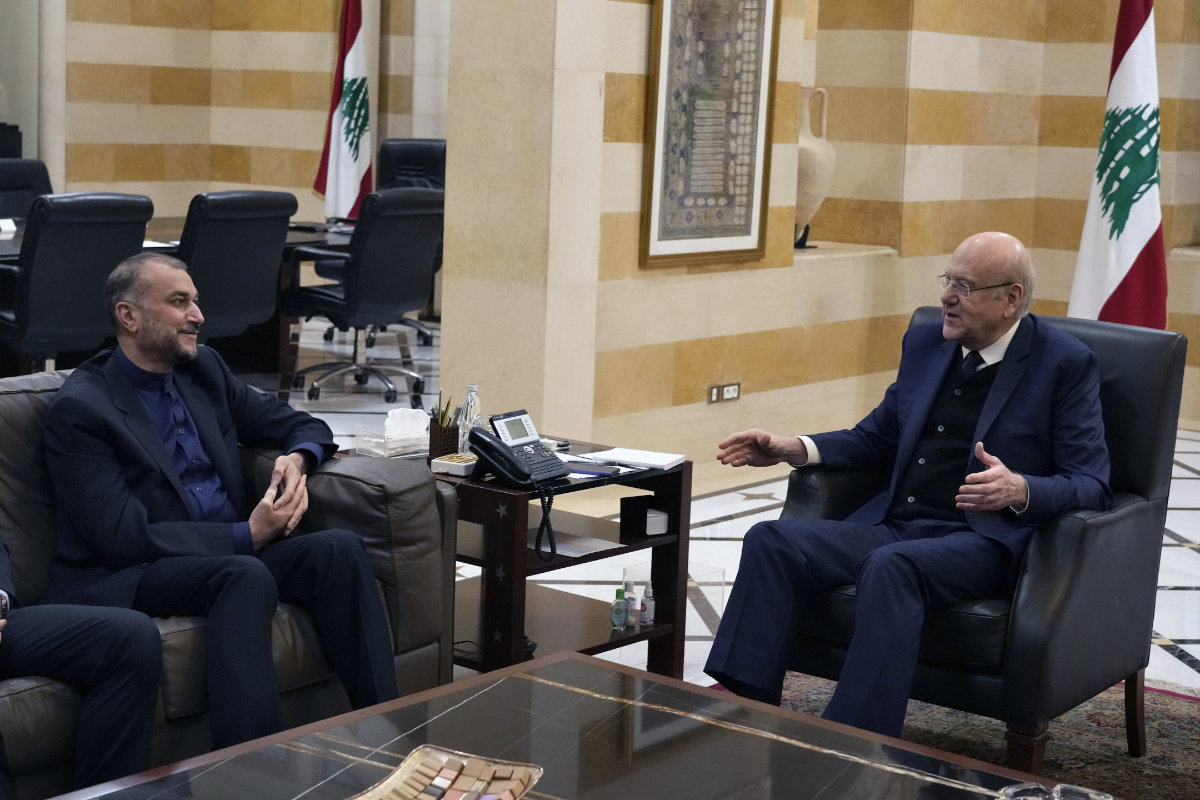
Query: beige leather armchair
[[406, 517]]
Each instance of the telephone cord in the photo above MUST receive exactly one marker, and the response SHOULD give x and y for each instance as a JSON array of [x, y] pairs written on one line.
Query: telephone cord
[[547, 498]]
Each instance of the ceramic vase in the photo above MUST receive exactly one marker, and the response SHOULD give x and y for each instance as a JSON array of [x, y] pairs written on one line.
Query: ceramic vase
[[815, 159]]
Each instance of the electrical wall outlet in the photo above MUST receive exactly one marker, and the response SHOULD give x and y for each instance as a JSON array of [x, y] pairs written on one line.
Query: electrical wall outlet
[[714, 394], [731, 391]]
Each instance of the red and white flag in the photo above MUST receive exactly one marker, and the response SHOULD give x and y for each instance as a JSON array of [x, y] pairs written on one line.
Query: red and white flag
[[344, 176], [1121, 272]]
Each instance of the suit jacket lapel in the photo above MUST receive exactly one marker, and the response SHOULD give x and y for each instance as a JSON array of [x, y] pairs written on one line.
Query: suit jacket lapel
[[1008, 377], [125, 400], [210, 437]]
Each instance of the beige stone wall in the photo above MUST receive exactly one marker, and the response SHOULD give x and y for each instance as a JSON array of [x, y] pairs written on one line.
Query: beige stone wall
[[171, 99]]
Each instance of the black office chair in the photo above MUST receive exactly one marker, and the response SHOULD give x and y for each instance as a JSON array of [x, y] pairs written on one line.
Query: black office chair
[[21, 180], [1081, 616], [403, 163], [71, 243], [386, 274], [233, 245]]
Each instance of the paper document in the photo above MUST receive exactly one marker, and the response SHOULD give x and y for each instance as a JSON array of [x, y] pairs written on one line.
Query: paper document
[[569, 544], [639, 458]]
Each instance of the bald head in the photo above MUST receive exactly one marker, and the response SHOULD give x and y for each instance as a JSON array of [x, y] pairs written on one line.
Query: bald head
[[1003, 259]]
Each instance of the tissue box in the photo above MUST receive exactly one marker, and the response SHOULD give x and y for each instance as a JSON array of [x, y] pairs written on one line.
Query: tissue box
[[372, 442]]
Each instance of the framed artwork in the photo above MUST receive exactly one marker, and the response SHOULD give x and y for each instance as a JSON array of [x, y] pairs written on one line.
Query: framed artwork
[[708, 149]]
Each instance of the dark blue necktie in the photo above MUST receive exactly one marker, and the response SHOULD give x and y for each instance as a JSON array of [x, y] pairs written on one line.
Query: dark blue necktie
[[971, 363]]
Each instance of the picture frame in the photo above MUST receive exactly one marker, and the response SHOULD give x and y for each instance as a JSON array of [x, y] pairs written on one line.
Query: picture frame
[[709, 113]]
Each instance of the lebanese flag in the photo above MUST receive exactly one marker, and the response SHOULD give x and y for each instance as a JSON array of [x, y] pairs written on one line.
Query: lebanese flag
[[344, 176], [1121, 273]]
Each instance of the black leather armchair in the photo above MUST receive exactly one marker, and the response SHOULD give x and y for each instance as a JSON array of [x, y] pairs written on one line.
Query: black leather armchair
[[1081, 616], [21, 180], [71, 243], [419, 163], [386, 274], [233, 245]]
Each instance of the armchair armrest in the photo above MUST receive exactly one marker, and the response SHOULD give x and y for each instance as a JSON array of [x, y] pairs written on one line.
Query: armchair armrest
[[1084, 604], [311, 253], [407, 521], [820, 493]]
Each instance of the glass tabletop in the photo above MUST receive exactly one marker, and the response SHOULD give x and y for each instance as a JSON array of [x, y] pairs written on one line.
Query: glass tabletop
[[598, 732]]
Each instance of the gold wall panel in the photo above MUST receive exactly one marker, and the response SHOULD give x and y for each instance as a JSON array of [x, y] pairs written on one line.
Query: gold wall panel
[[397, 17], [971, 118], [396, 93], [866, 15], [625, 107], [867, 114], [1080, 21], [1058, 223], [1067, 121], [649, 377], [305, 16], [1023, 20], [786, 119], [842, 219], [108, 83]]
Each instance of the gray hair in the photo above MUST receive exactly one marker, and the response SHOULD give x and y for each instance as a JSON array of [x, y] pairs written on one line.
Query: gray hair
[[124, 284]]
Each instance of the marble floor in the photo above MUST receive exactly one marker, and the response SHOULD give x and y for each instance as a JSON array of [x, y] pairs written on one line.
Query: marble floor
[[727, 501]]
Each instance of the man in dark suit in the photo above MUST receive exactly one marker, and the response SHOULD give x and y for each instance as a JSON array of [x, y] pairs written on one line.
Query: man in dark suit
[[111, 655], [142, 452], [992, 426]]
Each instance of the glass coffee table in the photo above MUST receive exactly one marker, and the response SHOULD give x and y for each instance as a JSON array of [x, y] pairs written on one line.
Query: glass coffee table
[[597, 729]]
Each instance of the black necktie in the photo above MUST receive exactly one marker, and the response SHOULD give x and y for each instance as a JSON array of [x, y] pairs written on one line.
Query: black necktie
[[971, 363]]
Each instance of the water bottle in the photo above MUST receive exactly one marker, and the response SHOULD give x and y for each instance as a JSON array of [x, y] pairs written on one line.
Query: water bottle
[[470, 416]]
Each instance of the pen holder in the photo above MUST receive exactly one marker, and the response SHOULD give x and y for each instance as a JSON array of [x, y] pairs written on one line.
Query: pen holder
[[442, 441]]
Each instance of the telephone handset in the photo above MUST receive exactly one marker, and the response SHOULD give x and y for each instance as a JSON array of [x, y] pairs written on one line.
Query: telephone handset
[[516, 456]]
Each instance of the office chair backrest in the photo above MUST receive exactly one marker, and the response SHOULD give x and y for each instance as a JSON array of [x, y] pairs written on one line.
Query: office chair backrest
[[72, 242], [21, 180], [233, 245], [411, 162], [391, 253], [1141, 379]]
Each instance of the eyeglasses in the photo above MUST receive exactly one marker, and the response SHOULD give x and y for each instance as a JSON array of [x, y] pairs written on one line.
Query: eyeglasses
[[962, 290]]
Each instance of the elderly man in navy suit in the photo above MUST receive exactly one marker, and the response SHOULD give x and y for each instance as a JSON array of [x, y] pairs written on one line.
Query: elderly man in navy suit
[[992, 426]]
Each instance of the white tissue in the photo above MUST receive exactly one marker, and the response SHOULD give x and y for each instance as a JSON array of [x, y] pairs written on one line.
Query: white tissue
[[405, 422]]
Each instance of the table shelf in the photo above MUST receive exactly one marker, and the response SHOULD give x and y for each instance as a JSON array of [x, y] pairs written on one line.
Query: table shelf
[[501, 608]]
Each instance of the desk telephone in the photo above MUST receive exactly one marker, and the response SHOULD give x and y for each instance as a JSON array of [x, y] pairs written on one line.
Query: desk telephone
[[516, 456], [515, 453]]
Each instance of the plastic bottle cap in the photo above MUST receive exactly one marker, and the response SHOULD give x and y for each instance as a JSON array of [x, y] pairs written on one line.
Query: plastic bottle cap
[[620, 594]]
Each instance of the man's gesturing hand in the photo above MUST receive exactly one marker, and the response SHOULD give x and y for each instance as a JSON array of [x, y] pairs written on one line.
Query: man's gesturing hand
[[995, 488], [758, 448]]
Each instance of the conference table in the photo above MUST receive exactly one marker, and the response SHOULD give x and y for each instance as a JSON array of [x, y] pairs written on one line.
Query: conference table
[[263, 347]]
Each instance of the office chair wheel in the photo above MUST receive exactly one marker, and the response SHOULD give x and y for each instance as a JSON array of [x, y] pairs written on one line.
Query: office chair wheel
[[297, 381], [389, 397], [361, 378], [370, 340], [314, 392], [328, 334], [418, 386], [415, 401], [426, 339]]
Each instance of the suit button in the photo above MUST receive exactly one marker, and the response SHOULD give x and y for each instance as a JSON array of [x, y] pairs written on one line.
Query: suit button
[[941, 428], [957, 392], [912, 499], [920, 461]]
